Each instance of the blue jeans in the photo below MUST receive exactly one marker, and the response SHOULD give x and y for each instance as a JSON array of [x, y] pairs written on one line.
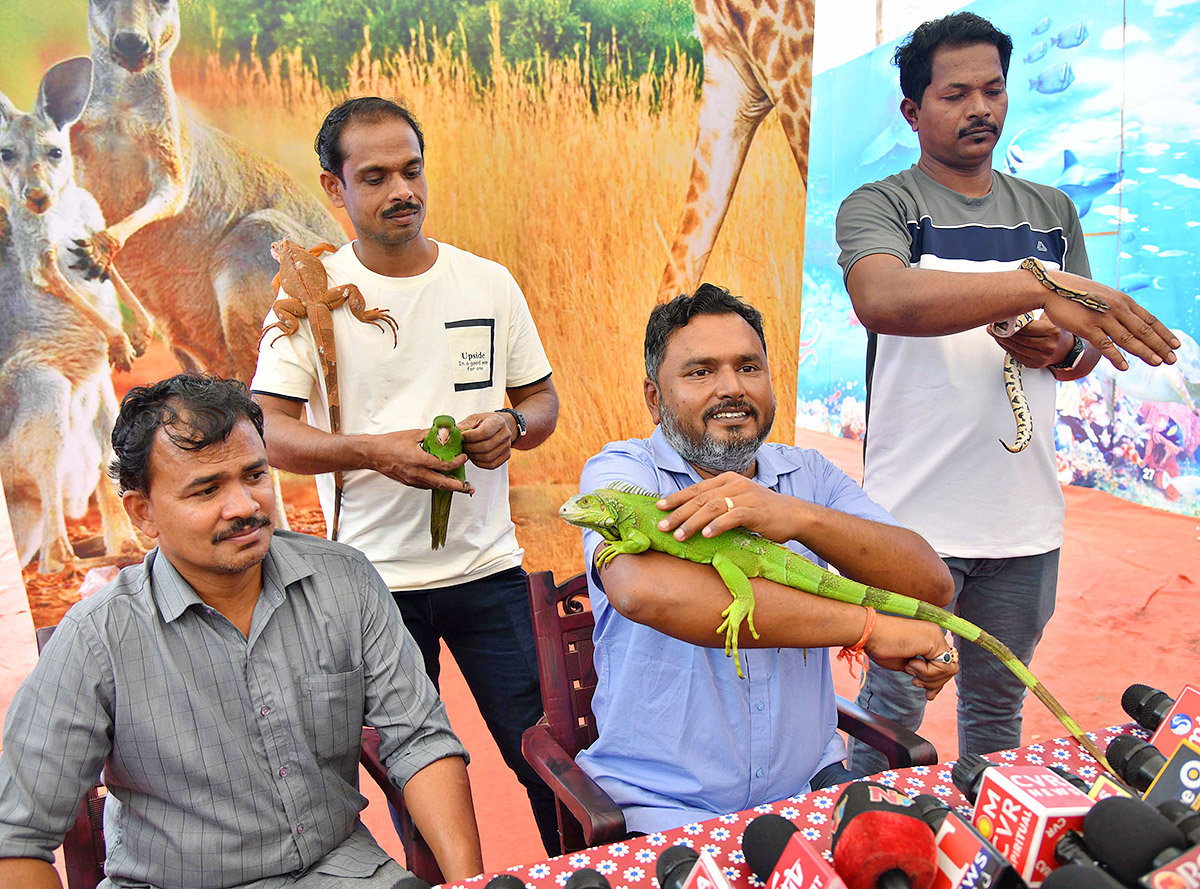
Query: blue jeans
[[1013, 600], [487, 627]]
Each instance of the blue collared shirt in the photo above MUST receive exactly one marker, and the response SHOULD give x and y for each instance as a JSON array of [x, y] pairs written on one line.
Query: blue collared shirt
[[681, 737], [228, 758]]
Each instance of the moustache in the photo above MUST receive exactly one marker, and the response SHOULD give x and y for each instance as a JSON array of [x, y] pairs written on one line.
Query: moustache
[[400, 208], [979, 128], [731, 406], [254, 521]]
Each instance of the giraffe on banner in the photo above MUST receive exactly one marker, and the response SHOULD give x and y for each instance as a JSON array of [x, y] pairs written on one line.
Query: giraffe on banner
[[757, 56]]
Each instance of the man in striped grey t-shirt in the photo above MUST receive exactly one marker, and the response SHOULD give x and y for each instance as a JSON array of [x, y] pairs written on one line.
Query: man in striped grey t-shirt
[[931, 256], [223, 685]]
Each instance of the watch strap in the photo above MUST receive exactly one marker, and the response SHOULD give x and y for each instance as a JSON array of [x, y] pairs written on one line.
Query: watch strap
[[1073, 357], [516, 415]]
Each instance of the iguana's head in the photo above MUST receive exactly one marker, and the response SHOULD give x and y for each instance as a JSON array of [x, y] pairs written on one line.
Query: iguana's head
[[592, 510]]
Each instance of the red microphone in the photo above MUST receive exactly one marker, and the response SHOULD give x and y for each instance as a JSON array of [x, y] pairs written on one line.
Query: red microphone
[[1025, 811], [880, 840], [783, 859]]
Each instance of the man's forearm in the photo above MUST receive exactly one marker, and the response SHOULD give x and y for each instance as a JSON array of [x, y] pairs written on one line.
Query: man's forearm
[[539, 406], [295, 446], [892, 298], [885, 556], [685, 599], [439, 799], [28, 873]]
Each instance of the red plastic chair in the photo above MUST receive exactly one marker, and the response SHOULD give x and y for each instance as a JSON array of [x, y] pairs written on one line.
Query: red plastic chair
[[83, 846], [587, 816]]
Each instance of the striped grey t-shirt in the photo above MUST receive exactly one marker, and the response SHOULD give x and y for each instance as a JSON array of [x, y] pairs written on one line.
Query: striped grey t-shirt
[[936, 406], [228, 758]]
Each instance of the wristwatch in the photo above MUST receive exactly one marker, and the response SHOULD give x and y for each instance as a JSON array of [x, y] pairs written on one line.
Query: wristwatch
[[516, 415], [1072, 358]]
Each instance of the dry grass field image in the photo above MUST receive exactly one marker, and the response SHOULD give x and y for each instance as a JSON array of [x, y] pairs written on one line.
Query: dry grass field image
[[574, 180]]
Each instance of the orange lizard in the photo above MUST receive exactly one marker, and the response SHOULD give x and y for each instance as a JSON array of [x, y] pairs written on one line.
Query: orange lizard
[[302, 275]]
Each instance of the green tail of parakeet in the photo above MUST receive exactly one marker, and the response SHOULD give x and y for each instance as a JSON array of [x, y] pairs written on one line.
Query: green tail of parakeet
[[444, 441]]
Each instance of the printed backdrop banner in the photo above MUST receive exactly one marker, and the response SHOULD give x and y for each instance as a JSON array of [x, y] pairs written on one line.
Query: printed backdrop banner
[[1102, 104], [559, 142]]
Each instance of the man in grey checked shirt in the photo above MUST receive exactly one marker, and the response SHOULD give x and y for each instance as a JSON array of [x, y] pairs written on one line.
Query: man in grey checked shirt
[[223, 685]]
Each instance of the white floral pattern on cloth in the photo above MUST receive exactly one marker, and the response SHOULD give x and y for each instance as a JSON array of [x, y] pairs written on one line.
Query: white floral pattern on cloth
[[722, 837]]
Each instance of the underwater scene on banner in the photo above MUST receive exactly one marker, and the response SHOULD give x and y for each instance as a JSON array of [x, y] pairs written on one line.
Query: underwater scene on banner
[[1103, 105]]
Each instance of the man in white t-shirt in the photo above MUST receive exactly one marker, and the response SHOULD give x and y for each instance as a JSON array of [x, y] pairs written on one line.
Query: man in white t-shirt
[[466, 339]]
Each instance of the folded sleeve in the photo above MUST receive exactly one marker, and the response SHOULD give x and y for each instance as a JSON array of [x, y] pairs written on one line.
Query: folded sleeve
[[401, 702]]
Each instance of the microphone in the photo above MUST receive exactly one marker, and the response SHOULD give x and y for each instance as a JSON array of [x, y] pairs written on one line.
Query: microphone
[[1136, 761], [586, 878], [1025, 811], [505, 881], [1181, 722], [674, 866], [1131, 838], [1184, 818], [680, 867], [968, 772], [965, 858], [1080, 876], [1146, 706], [1071, 849], [880, 842], [1074, 780], [1160, 778], [783, 859]]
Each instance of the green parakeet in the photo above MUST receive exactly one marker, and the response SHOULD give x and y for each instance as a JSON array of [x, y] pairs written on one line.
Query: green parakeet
[[444, 441]]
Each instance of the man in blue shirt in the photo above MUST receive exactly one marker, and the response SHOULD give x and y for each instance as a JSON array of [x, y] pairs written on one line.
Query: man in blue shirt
[[681, 738], [223, 685]]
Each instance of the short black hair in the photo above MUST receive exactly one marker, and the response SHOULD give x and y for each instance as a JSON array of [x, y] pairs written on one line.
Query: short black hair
[[193, 410], [709, 299], [914, 57], [365, 109]]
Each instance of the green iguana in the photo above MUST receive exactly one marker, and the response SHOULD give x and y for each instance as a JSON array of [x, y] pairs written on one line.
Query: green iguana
[[627, 518]]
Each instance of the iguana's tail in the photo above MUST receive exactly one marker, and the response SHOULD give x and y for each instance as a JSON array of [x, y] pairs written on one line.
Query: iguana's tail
[[831, 586]]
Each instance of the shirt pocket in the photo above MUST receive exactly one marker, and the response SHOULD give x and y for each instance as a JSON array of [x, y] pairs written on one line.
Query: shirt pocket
[[332, 707]]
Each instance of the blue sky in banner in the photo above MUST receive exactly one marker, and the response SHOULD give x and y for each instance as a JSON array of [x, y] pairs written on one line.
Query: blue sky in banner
[[1109, 113]]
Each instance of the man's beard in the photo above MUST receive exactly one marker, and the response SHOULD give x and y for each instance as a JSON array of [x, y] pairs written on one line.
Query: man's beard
[[735, 454]]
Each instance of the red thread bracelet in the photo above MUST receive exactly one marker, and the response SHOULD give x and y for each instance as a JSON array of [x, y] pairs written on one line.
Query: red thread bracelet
[[853, 654]]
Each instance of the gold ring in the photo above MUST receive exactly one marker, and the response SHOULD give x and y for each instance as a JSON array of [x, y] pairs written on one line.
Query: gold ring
[[728, 503]]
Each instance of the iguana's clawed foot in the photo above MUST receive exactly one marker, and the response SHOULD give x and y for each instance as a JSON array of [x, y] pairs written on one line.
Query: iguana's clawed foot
[[288, 324], [606, 555], [739, 610], [374, 317]]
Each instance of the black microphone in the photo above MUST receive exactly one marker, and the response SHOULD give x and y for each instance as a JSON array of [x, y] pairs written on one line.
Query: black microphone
[[879, 840], [1184, 818], [1071, 849], [1146, 706], [780, 857], [674, 865], [1071, 778], [1130, 837], [505, 881], [586, 878], [968, 773], [965, 856], [1080, 876], [1136, 761]]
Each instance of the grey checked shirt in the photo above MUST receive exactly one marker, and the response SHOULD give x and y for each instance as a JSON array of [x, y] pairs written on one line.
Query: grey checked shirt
[[227, 758]]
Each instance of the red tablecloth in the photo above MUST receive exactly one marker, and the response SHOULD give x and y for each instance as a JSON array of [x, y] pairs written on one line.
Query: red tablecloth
[[630, 864]]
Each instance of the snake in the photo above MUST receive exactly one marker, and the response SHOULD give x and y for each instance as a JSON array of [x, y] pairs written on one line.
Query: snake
[[1012, 368]]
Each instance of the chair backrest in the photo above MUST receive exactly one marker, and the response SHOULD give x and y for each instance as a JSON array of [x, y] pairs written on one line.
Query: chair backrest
[[562, 627]]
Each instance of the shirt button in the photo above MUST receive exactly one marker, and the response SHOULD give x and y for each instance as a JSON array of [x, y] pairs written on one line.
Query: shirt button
[[758, 774], [760, 705], [265, 710], [283, 773], [299, 828]]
